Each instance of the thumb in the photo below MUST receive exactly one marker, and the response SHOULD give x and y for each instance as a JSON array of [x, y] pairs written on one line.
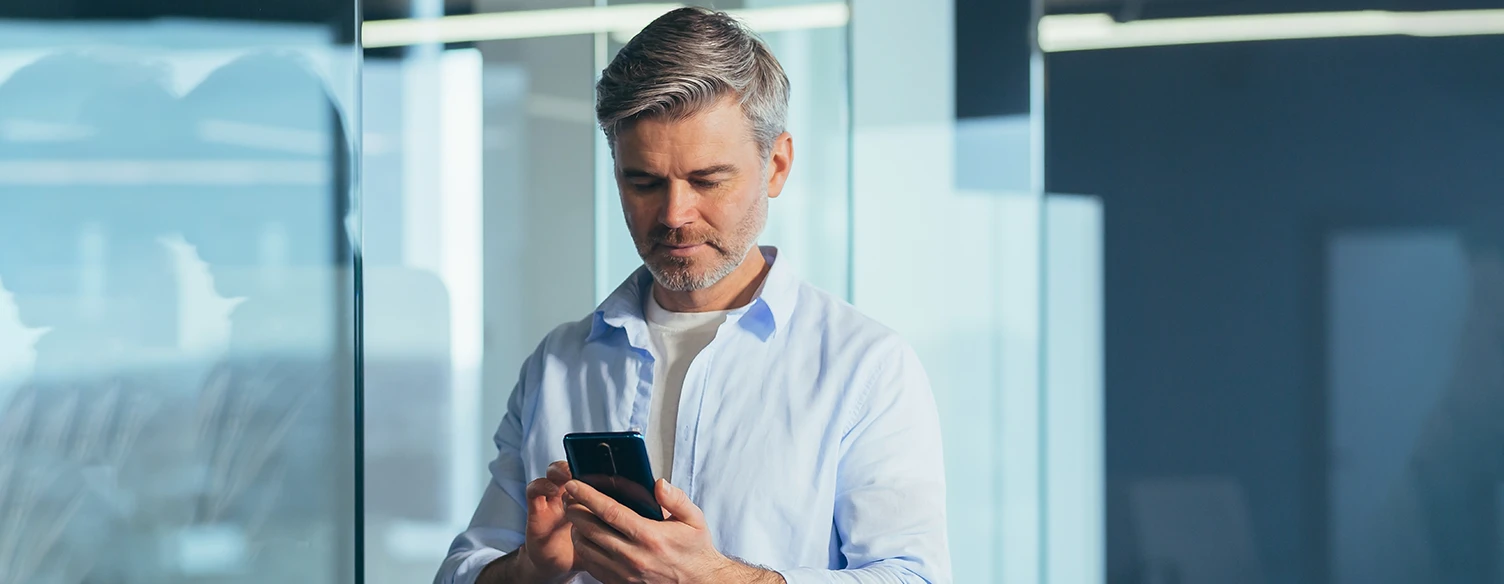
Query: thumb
[[679, 507], [545, 508]]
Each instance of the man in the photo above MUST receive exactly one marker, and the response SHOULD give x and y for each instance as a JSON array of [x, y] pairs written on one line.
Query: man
[[794, 439]]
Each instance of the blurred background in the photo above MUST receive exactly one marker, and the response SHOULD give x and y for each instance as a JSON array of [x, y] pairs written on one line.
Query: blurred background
[[1209, 291]]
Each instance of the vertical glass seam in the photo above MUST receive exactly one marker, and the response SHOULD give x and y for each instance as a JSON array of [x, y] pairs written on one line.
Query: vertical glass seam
[[1037, 186], [850, 154], [601, 187]]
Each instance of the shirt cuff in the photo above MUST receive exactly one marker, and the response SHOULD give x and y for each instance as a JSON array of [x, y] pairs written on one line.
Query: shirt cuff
[[471, 567]]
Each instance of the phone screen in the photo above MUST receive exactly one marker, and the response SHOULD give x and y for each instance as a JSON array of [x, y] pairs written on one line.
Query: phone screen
[[615, 463]]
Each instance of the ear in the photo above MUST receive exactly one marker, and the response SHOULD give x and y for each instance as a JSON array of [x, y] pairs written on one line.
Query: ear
[[780, 162]]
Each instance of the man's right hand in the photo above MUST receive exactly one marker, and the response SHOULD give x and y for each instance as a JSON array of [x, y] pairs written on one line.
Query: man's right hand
[[549, 546], [547, 552]]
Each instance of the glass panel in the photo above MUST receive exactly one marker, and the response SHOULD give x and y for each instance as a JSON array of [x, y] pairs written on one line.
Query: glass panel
[[947, 232], [177, 341], [1071, 383], [480, 214], [426, 327], [1304, 373]]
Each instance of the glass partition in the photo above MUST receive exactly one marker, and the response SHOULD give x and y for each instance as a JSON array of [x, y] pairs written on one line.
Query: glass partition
[[177, 293], [1302, 286]]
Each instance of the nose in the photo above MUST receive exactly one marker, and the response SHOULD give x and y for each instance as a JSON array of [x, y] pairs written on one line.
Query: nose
[[679, 208]]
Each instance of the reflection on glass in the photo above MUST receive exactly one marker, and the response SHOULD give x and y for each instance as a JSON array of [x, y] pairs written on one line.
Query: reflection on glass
[[1413, 349], [1457, 465], [1417, 350], [176, 370], [423, 212]]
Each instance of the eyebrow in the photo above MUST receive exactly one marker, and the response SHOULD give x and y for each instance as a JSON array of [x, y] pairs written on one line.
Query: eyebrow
[[703, 172], [717, 169]]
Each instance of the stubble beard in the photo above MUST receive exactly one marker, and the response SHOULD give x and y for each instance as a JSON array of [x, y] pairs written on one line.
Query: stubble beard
[[678, 274]]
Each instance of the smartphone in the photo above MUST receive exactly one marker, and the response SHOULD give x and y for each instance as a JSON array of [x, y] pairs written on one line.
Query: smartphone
[[615, 463]]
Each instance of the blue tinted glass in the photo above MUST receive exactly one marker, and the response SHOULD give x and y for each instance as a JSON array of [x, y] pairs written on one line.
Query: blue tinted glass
[[177, 388], [1303, 282]]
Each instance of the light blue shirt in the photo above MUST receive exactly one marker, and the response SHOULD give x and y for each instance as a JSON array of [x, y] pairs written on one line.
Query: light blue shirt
[[807, 433]]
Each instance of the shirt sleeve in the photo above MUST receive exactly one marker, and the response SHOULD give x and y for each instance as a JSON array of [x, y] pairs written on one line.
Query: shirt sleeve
[[497, 526], [890, 485]]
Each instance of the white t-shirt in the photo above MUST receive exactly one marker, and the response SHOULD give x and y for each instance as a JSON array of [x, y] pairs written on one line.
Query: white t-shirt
[[677, 337]]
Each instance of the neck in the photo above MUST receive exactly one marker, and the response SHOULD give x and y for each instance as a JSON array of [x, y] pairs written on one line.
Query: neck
[[733, 291]]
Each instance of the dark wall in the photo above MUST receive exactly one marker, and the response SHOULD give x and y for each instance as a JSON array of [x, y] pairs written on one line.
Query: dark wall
[[274, 10], [1221, 166], [993, 45]]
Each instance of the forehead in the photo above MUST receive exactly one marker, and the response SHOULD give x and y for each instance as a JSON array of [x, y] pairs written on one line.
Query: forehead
[[717, 135]]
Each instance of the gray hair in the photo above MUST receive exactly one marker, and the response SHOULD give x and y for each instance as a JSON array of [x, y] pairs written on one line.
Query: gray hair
[[685, 62]]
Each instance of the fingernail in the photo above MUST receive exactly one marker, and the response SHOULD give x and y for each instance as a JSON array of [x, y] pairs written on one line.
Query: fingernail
[[571, 487]]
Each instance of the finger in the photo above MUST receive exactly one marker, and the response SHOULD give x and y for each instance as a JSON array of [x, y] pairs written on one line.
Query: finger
[[625, 520], [545, 508], [558, 472], [595, 560], [590, 527], [544, 498], [543, 488], [545, 503], [677, 503]]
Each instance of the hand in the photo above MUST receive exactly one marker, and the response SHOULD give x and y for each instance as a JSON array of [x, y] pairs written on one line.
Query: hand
[[616, 545], [547, 549]]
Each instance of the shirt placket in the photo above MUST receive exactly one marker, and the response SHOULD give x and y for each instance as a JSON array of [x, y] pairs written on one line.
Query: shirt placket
[[642, 394], [693, 400]]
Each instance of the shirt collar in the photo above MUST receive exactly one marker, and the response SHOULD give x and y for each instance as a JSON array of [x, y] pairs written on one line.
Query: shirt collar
[[770, 309]]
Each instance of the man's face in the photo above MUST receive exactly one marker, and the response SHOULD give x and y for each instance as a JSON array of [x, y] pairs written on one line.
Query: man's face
[[695, 193]]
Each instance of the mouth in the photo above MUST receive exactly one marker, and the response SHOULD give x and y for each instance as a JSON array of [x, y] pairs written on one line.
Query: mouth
[[682, 250]]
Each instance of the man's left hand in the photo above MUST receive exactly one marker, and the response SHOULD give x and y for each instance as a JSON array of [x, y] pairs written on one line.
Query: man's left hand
[[617, 546]]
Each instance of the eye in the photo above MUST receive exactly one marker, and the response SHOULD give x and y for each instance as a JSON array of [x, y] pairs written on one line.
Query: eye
[[708, 184], [646, 185]]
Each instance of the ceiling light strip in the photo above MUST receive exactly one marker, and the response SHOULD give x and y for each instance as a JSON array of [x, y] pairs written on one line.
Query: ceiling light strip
[[1086, 32]]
